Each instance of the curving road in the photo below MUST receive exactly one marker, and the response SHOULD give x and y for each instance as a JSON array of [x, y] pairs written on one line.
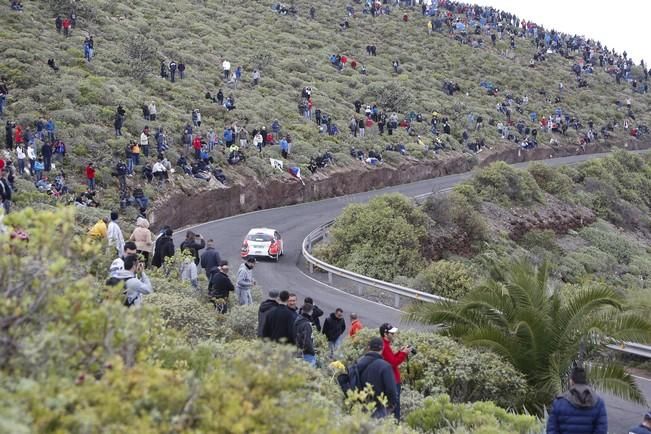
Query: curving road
[[296, 221]]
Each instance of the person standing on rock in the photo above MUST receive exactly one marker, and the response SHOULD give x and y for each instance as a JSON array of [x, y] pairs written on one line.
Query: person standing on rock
[[245, 282]]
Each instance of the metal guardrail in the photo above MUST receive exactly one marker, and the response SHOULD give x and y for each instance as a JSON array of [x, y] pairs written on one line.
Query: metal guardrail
[[632, 348], [398, 291]]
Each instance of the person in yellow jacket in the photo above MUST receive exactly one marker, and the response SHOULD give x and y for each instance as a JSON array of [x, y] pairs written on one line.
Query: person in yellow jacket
[[135, 151], [429, 27], [98, 231]]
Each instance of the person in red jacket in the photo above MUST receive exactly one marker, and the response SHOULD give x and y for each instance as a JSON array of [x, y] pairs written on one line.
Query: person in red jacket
[[18, 135], [387, 331], [196, 145], [355, 325], [66, 27], [90, 176]]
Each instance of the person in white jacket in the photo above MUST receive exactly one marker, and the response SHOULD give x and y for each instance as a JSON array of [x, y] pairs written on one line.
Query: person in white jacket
[[114, 234], [152, 111], [226, 65], [20, 156], [189, 271], [31, 156]]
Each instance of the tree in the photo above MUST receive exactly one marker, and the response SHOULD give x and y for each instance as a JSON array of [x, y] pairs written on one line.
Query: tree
[[391, 96], [383, 238], [518, 314]]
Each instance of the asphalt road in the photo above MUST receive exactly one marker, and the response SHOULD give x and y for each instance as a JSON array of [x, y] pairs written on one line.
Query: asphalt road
[[296, 221]]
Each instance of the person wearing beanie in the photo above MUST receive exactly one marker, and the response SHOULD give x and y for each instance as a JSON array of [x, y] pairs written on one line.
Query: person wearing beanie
[[578, 410]]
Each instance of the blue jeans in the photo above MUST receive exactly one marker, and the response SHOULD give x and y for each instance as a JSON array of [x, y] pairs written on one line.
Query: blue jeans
[[136, 159], [142, 202], [129, 165], [3, 99], [311, 359], [91, 184], [21, 166]]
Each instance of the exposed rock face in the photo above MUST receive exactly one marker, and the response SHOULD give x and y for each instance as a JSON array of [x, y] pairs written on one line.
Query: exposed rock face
[[192, 206]]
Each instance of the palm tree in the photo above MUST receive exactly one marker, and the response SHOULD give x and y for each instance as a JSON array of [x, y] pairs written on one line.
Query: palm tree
[[541, 330]]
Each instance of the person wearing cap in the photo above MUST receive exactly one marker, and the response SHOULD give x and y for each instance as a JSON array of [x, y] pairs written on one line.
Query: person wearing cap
[[265, 307], [220, 287], [578, 410], [245, 282], [387, 332], [377, 372], [644, 427]]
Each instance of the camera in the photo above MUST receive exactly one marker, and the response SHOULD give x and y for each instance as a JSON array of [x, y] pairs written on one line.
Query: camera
[[413, 351]]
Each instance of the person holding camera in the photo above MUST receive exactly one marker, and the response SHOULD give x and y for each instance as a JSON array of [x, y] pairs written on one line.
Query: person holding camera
[[387, 332]]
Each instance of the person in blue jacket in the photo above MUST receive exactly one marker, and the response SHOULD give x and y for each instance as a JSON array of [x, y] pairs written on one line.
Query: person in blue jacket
[[579, 410], [644, 427]]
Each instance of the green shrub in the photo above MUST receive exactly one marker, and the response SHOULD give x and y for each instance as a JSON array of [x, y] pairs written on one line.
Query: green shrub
[[444, 366], [449, 279], [506, 185], [551, 180], [440, 415]]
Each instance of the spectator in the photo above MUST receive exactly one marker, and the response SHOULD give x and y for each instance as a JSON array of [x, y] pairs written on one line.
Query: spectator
[[118, 263], [20, 157], [5, 191], [135, 287], [245, 282], [188, 271], [153, 111], [279, 322], [220, 286], [98, 231], [333, 328], [181, 69], [265, 307], [355, 325], [377, 372], [114, 233], [172, 69], [159, 171], [387, 332], [90, 176], [141, 235], [578, 410], [316, 314], [303, 334], [226, 66], [210, 259], [644, 427], [46, 152], [164, 248], [193, 243], [144, 142], [38, 169], [256, 77], [139, 197]]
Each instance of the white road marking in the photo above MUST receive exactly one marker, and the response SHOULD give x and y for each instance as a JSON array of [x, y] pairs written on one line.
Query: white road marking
[[640, 378]]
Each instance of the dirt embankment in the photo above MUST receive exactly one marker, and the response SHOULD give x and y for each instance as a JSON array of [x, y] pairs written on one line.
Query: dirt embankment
[[188, 206]]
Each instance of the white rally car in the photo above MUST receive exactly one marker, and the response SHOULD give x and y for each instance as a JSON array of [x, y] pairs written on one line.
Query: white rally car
[[262, 242]]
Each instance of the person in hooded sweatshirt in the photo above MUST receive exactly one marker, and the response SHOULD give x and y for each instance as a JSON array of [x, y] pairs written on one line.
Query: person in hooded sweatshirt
[[245, 282], [220, 287], [141, 235], [210, 258], [134, 287], [579, 410], [265, 307], [644, 427]]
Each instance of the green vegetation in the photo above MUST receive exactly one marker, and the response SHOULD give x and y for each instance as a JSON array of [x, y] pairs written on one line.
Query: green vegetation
[[74, 359], [440, 415], [383, 238], [291, 52], [518, 314]]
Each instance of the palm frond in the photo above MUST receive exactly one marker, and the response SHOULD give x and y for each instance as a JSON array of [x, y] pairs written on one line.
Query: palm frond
[[615, 380]]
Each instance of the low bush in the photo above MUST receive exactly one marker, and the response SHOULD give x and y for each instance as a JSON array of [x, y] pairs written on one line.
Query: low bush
[[449, 279], [444, 366]]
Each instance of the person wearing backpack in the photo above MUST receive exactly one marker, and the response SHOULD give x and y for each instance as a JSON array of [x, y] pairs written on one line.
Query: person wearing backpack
[[372, 369], [134, 287], [303, 334]]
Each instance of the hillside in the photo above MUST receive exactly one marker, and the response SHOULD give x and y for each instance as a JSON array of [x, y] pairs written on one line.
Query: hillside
[[292, 52]]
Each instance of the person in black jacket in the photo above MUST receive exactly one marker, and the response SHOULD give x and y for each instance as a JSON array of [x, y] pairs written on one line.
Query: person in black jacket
[[303, 334], [220, 286], [193, 243], [164, 248], [265, 307], [334, 327], [377, 372], [210, 258], [279, 322], [316, 314]]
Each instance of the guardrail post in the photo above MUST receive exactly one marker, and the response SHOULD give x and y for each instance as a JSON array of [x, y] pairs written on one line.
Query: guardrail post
[[396, 300], [311, 268], [359, 289], [329, 277]]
